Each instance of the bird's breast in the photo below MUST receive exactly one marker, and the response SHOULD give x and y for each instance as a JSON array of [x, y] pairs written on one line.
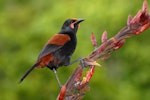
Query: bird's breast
[[69, 47]]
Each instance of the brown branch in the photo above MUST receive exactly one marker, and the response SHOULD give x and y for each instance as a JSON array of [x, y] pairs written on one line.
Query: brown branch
[[77, 85]]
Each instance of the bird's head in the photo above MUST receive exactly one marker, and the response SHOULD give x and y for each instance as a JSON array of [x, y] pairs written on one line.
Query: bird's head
[[71, 25]]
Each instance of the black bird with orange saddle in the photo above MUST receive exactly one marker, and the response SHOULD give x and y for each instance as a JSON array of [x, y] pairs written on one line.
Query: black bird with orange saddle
[[58, 50]]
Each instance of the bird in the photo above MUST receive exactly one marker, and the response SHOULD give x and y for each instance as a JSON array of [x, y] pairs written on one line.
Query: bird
[[59, 48]]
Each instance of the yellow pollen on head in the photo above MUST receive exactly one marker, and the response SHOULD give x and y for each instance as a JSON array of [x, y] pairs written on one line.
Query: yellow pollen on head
[[74, 19]]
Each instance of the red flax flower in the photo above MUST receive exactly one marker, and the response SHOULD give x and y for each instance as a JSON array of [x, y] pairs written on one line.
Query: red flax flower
[[77, 85], [141, 21], [93, 40]]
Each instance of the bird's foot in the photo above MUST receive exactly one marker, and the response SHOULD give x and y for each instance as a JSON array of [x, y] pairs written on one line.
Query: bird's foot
[[88, 62]]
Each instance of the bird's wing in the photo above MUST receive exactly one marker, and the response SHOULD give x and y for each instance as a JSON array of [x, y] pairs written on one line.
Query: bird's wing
[[55, 43]]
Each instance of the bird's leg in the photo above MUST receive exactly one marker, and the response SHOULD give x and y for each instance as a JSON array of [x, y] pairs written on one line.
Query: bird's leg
[[55, 72], [82, 63], [79, 59]]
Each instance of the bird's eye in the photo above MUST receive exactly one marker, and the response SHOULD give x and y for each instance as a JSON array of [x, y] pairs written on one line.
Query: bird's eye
[[73, 21]]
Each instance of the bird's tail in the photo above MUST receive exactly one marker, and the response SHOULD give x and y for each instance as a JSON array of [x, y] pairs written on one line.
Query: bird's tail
[[28, 71]]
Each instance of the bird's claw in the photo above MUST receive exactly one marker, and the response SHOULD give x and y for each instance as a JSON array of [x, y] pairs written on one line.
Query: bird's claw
[[88, 62]]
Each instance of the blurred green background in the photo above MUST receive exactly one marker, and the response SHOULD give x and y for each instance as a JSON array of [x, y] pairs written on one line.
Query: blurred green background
[[25, 26]]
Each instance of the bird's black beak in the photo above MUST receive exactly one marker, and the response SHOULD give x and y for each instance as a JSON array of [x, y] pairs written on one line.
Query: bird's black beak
[[79, 20]]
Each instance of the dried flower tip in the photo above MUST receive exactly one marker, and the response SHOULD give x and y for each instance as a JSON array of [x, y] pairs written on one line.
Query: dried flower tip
[[93, 40], [90, 73], [104, 37], [62, 93], [129, 19], [145, 6]]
